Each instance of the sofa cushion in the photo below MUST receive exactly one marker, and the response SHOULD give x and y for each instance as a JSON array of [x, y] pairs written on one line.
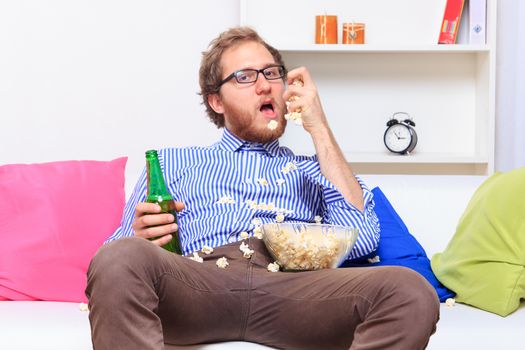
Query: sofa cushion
[[484, 263], [397, 247], [53, 217]]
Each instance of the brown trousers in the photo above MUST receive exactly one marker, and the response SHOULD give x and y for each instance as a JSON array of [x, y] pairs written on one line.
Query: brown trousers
[[141, 297]]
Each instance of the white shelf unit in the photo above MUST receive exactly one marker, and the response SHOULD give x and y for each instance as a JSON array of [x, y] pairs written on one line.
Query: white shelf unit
[[448, 90]]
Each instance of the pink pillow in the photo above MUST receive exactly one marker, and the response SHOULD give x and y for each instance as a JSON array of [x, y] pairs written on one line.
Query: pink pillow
[[53, 218]]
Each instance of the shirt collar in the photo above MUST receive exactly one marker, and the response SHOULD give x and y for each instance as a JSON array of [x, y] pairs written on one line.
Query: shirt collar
[[232, 143]]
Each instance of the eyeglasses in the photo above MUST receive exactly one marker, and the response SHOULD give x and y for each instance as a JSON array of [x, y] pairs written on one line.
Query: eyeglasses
[[246, 76]]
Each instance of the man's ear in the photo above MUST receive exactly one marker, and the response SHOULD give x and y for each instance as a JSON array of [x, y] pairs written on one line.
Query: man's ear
[[216, 103]]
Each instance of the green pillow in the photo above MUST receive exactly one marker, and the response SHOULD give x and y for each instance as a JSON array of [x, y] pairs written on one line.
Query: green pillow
[[484, 263]]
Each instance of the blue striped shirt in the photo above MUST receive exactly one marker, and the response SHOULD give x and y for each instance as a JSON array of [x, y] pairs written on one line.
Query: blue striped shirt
[[224, 187]]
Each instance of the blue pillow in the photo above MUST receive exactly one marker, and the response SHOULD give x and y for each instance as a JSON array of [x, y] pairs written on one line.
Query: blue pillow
[[397, 247]]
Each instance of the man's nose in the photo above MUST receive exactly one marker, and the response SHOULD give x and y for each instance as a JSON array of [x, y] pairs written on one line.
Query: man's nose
[[262, 84]]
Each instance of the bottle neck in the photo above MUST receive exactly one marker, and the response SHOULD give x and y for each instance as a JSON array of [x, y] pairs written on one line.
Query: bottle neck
[[156, 189]]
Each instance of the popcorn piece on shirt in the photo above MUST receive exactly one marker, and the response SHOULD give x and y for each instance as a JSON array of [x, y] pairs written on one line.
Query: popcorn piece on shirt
[[279, 217], [374, 260], [207, 250], [450, 302], [196, 257], [244, 235], [272, 125], [318, 219], [257, 221], [262, 182], [222, 263], [290, 166], [226, 200], [273, 267], [280, 181]]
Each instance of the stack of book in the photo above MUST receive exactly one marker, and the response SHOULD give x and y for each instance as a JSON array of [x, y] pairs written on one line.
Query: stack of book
[[475, 15]]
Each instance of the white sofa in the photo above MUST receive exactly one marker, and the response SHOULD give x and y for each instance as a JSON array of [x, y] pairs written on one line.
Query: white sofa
[[417, 198]]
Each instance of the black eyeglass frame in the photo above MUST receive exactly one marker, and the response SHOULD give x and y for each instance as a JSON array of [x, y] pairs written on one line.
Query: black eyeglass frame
[[238, 72]]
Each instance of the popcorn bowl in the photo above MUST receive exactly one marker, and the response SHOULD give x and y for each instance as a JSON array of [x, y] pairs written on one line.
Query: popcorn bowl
[[308, 246]]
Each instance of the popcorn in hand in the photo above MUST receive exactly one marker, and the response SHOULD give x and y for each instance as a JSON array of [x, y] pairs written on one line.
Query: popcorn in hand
[[273, 267], [296, 115], [222, 263]]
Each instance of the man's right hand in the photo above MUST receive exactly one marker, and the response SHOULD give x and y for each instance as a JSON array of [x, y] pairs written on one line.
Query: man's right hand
[[150, 224]]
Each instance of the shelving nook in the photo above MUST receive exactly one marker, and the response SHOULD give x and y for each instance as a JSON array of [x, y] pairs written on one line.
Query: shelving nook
[[448, 90]]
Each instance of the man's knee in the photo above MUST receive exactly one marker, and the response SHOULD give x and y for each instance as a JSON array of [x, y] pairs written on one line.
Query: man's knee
[[412, 291], [114, 262]]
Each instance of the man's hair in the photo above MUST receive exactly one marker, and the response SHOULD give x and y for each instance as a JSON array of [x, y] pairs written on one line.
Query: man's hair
[[210, 73]]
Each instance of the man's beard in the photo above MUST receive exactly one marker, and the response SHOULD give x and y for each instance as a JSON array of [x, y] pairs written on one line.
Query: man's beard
[[241, 126]]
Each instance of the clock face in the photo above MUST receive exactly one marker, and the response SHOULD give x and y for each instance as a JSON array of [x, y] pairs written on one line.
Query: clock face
[[398, 138]]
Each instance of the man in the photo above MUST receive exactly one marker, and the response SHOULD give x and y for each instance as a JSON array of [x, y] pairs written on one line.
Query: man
[[141, 296]]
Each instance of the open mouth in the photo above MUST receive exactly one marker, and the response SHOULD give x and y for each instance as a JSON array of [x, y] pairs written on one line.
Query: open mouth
[[267, 109]]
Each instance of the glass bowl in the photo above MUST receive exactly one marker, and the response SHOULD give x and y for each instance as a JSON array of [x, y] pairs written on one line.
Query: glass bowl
[[308, 246]]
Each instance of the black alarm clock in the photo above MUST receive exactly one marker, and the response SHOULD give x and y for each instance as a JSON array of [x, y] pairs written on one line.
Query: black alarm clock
[[400, 136]]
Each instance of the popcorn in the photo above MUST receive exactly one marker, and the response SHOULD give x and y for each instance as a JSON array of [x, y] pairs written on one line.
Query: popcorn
[[222, 263], [251, 204], [296, 115], [299, 251], [196, 257], [83, 307], [374, 260], [318, 219], [243, 247], [257, 221], [257, 233], [207, 250], [244, 235], [246, 251], [273, 267], [279, 217], [450, 302], [226, 200], [262, 182], [279, 181], [289, 167], [272, 125]]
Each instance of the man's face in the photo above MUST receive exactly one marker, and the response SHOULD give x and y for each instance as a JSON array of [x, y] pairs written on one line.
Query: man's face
[[248, 108]]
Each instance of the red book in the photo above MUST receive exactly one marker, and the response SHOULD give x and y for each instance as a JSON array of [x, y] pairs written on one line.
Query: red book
[[451, 18]]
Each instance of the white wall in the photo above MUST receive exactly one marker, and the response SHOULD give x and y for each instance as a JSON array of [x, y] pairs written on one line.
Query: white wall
[[99, 79], [510, 105], [83, 79]]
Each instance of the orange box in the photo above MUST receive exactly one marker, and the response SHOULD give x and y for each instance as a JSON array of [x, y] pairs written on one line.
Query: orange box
[[326, 29], [353, 33]]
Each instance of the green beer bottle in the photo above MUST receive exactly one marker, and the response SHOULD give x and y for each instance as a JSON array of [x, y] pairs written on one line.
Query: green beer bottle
[[157, 192]]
